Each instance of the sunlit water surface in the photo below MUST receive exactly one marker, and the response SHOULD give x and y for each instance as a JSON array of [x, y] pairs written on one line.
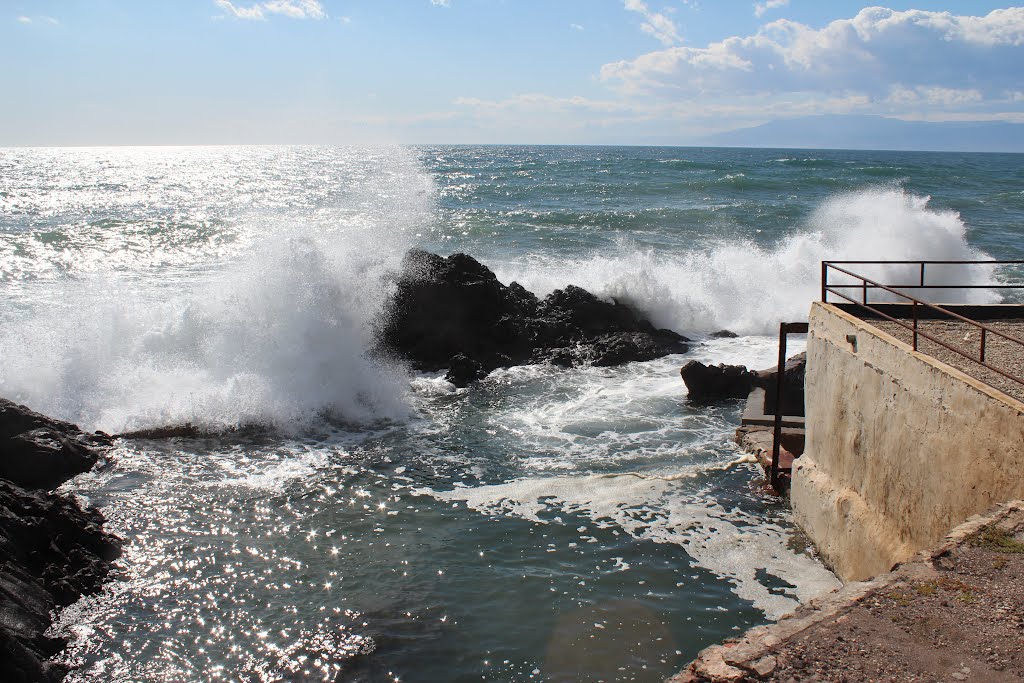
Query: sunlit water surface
[[546, 524]]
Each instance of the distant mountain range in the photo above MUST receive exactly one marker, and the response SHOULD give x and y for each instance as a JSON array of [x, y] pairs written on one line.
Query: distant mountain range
[[876, 132]]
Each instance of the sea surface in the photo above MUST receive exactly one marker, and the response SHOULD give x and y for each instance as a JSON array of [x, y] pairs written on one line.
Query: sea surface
[[344, 518]]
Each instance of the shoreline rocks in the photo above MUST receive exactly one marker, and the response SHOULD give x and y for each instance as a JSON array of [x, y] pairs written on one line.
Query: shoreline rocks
[[452, 312], [52, 550], [712, 383]]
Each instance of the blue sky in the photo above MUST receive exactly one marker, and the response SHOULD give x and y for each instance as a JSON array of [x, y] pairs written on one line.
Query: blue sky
[[492, 71]]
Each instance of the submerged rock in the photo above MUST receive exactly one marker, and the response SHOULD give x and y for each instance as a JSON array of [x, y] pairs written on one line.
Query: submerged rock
[[53, 551], [454, 313]]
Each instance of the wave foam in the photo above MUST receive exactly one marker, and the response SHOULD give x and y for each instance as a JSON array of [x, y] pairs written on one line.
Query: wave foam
[[278, 337], [748, 288], [730, 543]]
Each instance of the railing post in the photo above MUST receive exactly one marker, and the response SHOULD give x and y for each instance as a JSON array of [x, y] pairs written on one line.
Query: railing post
[[914, 307], [864, 299], [780, 376], [922, 274], [824, 282], [983, 345]]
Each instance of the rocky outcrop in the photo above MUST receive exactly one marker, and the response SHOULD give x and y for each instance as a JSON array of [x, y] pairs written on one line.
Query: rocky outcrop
[[454, 313], [39, 452], [710, 383], [52, 550]]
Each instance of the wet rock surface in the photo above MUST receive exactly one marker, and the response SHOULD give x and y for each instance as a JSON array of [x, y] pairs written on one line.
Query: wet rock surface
[[51, 550], [711, 383], [39, 452], [454, 313]]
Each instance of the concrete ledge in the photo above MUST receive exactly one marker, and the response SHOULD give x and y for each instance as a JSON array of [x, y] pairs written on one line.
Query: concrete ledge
[[754, 415]]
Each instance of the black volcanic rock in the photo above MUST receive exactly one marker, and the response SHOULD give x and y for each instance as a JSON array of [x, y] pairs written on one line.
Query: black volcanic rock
[[52, 550], [710, 383], [707, 383], [454, 313], [39, 452]]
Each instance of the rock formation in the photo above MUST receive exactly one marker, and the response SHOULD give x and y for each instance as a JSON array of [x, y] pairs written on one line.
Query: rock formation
[[52, 550], [710, 383], [454, 313]]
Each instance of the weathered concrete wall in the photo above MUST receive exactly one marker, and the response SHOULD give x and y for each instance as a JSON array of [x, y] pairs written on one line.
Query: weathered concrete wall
[[900, 448]]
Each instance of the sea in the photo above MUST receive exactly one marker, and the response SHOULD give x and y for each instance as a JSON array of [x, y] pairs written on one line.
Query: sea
[[336, 516]]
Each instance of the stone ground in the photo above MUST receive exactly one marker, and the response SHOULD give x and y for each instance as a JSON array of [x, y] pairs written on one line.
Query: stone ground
[[999, 352], [955, 613]]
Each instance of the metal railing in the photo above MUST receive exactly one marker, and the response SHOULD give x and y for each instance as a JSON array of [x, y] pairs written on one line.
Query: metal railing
[[780, 475], [864, 285]]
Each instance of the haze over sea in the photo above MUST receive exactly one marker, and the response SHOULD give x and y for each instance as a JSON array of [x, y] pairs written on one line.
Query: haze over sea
[[545, 524]]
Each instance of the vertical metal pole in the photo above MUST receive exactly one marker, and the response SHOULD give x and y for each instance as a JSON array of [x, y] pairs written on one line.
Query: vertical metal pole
[[914, 307], [780, 377], [864, 300], [824, 282], [922, 273], [983, 344]]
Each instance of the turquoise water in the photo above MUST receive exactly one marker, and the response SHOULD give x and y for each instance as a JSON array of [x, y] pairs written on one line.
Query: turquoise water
[[547, 524]]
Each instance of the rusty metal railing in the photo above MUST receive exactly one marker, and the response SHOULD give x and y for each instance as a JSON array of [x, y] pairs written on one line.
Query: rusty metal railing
[[778, 473], [864, 285]]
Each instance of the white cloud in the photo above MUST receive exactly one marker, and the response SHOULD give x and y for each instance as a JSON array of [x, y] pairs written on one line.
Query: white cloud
[[655, 23], [870, 54], [295, 9], [576, 27], [441, 3], [32, 20], [945, 97], [761, 7]]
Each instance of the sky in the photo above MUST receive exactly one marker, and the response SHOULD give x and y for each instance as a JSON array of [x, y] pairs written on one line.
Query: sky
[[91, 72]]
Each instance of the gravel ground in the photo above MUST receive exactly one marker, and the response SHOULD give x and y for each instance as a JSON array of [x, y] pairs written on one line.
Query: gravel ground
[[955, 613], [999, 352], [964, 623]]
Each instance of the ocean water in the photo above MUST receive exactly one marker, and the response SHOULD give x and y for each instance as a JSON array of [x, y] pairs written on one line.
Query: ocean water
[[347, 519]]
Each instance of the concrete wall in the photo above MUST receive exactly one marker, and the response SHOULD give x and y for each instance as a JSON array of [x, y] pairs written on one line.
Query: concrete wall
[[900, 447]]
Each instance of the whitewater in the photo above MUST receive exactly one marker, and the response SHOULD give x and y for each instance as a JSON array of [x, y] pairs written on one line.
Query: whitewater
[[344, 518]]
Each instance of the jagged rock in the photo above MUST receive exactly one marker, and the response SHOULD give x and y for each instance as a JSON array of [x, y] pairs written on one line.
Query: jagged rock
[[464, 370], [724, 334], [706, 383], [454, 313], [39, 452], [52, 550]]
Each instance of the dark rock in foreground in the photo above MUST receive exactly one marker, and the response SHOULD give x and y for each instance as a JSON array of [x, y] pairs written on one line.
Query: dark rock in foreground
[[39, 452], [454, 313], [710, 383], [53, 551], [707, 383]]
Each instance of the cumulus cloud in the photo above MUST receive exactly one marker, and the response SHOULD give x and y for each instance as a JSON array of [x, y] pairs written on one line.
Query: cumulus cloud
[[441, 3], [761, 7], [295, 9], [931, 54], [655, 24]]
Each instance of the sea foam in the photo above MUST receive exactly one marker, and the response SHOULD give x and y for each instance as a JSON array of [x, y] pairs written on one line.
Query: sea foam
[[749, 289], [277, 336]]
